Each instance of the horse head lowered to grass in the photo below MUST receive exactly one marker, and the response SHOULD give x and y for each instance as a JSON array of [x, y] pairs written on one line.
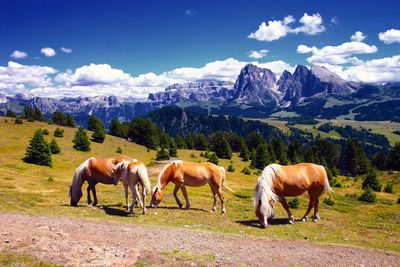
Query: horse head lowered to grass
[[94, 171], [277, 182], [184, 174]]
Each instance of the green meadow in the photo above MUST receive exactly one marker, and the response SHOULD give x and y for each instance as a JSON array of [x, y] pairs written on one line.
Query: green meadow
[[39, 190]]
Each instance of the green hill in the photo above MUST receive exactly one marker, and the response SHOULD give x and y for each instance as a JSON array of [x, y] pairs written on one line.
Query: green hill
[[39, 190]]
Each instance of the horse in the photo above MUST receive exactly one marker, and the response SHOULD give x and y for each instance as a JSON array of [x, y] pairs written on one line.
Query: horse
[[276, 182], [184, 174], [93, 170], [131, 173]]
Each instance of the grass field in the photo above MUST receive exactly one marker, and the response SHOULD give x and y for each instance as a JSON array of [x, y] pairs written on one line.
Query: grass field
[[38, 190]]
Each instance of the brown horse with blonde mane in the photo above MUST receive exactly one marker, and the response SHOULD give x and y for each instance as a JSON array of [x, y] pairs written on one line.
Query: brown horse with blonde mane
[[94, 171], [184, 174], [277, 182]]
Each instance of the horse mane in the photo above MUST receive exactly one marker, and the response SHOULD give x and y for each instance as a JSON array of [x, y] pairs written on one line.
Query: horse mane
[[77, 181], [264, 189], [158, 183]]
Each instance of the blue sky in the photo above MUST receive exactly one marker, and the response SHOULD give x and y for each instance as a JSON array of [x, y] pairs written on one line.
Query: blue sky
[[133, 38]]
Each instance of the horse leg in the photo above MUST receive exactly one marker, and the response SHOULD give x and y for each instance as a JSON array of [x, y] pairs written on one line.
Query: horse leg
[[134, 196], [310, 206], [143, 204], [89, 200], [93, 186], [126, 197], [183, 188], [138, 200], [214, 192], [222, 199], [178, 201], [286, 207], [316, 216]]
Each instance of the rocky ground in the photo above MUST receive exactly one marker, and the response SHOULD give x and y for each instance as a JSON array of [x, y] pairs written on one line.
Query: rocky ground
[[77, 242]]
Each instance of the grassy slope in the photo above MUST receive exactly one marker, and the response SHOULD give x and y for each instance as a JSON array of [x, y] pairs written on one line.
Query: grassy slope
[[25, 188], [382, 127]]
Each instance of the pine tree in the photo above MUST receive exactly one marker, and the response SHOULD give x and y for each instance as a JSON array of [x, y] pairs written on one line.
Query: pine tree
[[380, 161], [200, 142], [116, 128], [29, 113], [394, 157], [355, 160], [220, 146], [212, 157], [294, 152], [245, 154], [144, 132], [253, 153], [81, 141], [368, 196], [38, 151], [69, 121], [280, 150], [93, 123], [173, 149], [58, 132], [162, 154], [180, 142], [38, 115], [231, 168], [54, 148], [253, 140], [59, 118], [263, 157], [372, 181], [99, 134]]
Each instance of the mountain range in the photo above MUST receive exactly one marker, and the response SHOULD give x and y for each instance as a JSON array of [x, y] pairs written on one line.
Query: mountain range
[[257, 92]]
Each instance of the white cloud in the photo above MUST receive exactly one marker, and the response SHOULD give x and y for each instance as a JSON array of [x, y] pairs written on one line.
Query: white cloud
[[19, 54], [358, 36], [276, 29], [189, 12], [66, 50], [48, 51], [258, 54], [390, 36], [340, 54], [335, 20]]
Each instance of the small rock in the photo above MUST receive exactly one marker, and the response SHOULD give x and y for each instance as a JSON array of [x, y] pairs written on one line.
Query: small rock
[[6, 241], [4, 233], [305, 238]]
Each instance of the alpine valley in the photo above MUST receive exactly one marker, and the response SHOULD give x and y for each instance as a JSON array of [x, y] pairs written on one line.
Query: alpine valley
[[257, 93]]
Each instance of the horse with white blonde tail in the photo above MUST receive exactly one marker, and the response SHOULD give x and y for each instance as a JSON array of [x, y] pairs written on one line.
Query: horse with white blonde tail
[[277, 182], [184, 174], [132, 173], [94, 171]]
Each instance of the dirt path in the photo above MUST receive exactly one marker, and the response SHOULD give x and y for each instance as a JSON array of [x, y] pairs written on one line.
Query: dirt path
[[92, 243]]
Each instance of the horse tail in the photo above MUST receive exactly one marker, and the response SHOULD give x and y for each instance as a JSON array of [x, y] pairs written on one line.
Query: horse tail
[[327, 186], [144, 178], [224, 185]]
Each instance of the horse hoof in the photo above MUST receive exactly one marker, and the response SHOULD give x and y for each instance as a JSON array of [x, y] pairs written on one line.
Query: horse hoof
[[94, 204], [187, 207], [315, 220], [223, 212], [291, 221], [212, 210], [304, 219]]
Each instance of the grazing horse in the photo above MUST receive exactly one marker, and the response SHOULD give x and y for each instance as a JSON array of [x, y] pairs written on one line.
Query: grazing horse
[[276, 182], [131, 173], [93, 170], [184, 174]]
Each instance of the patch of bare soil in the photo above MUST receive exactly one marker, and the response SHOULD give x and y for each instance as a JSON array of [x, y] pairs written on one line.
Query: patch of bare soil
[[76, 242]]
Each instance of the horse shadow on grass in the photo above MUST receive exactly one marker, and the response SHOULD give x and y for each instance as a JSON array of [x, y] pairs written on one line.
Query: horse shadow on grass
[[177, 208], [256, 223]]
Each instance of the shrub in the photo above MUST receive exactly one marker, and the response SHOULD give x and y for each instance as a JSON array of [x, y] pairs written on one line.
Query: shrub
[[45, 132], [31, 119], [81, 141], [388, 188], [231, 168], [329, 201], [212, 157], [38, 151], [246, 171], [372, 181], [162, 154], [335, 183], [11, 114], [368, 196], [18, 120], [54, 148], [294, 203], [50, 179], [119, 150], [58, 132]]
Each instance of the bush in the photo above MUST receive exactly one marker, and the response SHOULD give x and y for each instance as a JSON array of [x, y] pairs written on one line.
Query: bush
[[329, 201], [368, 196], [18, 120], [212, 157], [50, 179], [81, 141], [11, 114], [388, 188], [231, 168], [294, 203], [38, 151], [54, 148], [45, 132], [162, 154], [372, 181], [246, 171], [31, 119], [335, 183], [58, 132], [119, 150]]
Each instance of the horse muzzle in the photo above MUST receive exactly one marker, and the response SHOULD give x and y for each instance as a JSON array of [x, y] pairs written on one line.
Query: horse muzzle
[[263, 225]]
